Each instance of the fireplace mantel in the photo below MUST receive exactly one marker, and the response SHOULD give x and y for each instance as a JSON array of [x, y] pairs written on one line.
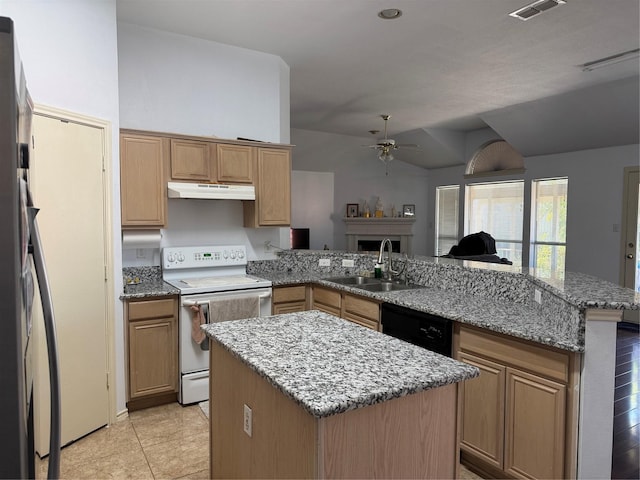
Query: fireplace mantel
[[377, 229]]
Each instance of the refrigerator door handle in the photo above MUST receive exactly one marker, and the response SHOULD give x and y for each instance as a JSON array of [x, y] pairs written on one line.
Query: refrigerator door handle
[[52, 345]]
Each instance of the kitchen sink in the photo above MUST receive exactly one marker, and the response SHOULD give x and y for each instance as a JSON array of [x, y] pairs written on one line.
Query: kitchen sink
[[382, 286], [354, 280], [370, 284]]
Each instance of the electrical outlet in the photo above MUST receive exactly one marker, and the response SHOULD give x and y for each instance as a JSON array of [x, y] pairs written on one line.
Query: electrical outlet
[[537, 295], [324, 262], [248, 421], [347, 263]]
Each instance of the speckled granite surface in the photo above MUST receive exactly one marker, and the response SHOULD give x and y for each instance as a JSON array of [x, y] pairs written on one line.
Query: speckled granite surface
[[329, 366], [147, 282], [493, 296]]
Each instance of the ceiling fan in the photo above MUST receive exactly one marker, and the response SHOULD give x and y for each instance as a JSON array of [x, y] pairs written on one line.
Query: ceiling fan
[[386, 146]]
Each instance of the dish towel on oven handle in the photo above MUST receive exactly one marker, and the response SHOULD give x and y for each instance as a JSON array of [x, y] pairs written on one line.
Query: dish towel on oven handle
[[200, 313], [235, 308]]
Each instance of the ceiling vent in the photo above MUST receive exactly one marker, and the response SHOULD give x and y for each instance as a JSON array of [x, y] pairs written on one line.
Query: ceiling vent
[[535, 8], [496, 157]]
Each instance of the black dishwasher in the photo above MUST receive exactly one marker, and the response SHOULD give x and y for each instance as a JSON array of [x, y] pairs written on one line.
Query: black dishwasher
[[423, 329]]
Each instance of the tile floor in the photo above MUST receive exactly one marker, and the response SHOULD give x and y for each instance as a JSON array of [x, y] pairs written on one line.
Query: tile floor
[[166, 442], [172, 442]]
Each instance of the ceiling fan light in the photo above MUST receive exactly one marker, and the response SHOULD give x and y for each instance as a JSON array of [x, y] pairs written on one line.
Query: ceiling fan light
[[386, 156]]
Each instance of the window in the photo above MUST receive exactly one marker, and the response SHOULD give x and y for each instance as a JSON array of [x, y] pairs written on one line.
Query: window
[[497, 209], [446, 218], [549, 226]]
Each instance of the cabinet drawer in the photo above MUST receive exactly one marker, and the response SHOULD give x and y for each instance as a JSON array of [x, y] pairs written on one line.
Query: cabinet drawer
[[288, 307], [327, 297], [289, 294], [151, 309], [361, 307], [365, 322], [544, 361]]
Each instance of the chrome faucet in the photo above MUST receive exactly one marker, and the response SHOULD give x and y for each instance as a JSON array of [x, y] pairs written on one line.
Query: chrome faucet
[[389, 271]]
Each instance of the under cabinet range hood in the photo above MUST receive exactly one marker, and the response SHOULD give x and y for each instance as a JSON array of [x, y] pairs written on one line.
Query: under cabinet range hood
[[211, 191]]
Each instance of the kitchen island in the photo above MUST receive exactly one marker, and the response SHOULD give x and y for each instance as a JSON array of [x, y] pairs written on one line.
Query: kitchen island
[[309, 395]]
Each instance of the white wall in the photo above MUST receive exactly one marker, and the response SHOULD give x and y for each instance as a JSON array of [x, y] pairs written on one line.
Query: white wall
[[312, 205], [358, 176], [69, 52], [594, 208], [173, 83]]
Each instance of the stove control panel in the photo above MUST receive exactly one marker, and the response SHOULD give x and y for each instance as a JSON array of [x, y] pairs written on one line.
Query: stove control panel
[[204, 257]]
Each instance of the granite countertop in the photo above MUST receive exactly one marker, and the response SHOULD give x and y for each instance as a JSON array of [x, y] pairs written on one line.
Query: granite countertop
[[518, 320], [146, 281], [329, 365], [148, 288]]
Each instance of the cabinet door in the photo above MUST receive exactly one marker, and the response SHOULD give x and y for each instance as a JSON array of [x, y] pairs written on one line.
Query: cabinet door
[[273, 195], [326, 300], [234, 163], [361, 311], [143, 195], [289, 299], [152, 357], [190, 160], [535, 426], [482, 430]]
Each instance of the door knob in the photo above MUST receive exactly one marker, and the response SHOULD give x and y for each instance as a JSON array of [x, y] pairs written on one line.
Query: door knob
[[630, 255]]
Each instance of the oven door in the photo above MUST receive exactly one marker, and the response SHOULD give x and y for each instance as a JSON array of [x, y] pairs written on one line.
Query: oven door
[[194, 357]]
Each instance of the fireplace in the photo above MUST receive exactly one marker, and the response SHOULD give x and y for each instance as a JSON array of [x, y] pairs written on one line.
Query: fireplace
[[365, 234]]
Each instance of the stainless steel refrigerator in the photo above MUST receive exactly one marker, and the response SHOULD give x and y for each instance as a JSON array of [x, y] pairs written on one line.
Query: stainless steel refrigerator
[[20, 255]]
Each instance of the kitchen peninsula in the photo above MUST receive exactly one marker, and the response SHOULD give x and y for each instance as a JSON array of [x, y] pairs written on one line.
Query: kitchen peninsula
[[309, 395], [569, 321]]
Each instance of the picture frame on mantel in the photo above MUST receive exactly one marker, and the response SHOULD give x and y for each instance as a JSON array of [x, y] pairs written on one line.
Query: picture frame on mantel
[[408, 211], [353, 210]]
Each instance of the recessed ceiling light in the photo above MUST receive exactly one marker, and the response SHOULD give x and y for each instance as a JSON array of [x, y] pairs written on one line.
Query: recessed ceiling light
[[390, 13]]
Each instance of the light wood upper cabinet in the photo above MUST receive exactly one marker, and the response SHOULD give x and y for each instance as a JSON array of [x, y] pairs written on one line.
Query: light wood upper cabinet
[[143, 187], [234, 163], [190, 160], [272, 206]]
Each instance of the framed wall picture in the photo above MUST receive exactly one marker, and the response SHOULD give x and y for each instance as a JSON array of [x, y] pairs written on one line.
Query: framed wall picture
[[353, 210], [408, 210]]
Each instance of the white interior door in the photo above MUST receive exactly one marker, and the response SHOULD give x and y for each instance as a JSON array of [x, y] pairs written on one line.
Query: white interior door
[[69, 189], [631, 236]]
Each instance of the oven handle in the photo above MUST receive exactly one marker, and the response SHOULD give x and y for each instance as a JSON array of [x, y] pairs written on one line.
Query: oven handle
[[191, 303]]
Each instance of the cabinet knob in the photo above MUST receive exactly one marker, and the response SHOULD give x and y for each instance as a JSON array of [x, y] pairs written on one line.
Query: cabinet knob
[[630, 255]]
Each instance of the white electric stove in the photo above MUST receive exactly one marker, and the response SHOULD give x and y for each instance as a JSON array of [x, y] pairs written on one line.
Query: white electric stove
[[209, 277]]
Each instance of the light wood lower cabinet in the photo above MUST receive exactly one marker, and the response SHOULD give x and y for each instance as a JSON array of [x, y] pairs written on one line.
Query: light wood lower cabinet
[[357, 309], [327, 300], [289, 299], [518, 416], [152, 347]]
